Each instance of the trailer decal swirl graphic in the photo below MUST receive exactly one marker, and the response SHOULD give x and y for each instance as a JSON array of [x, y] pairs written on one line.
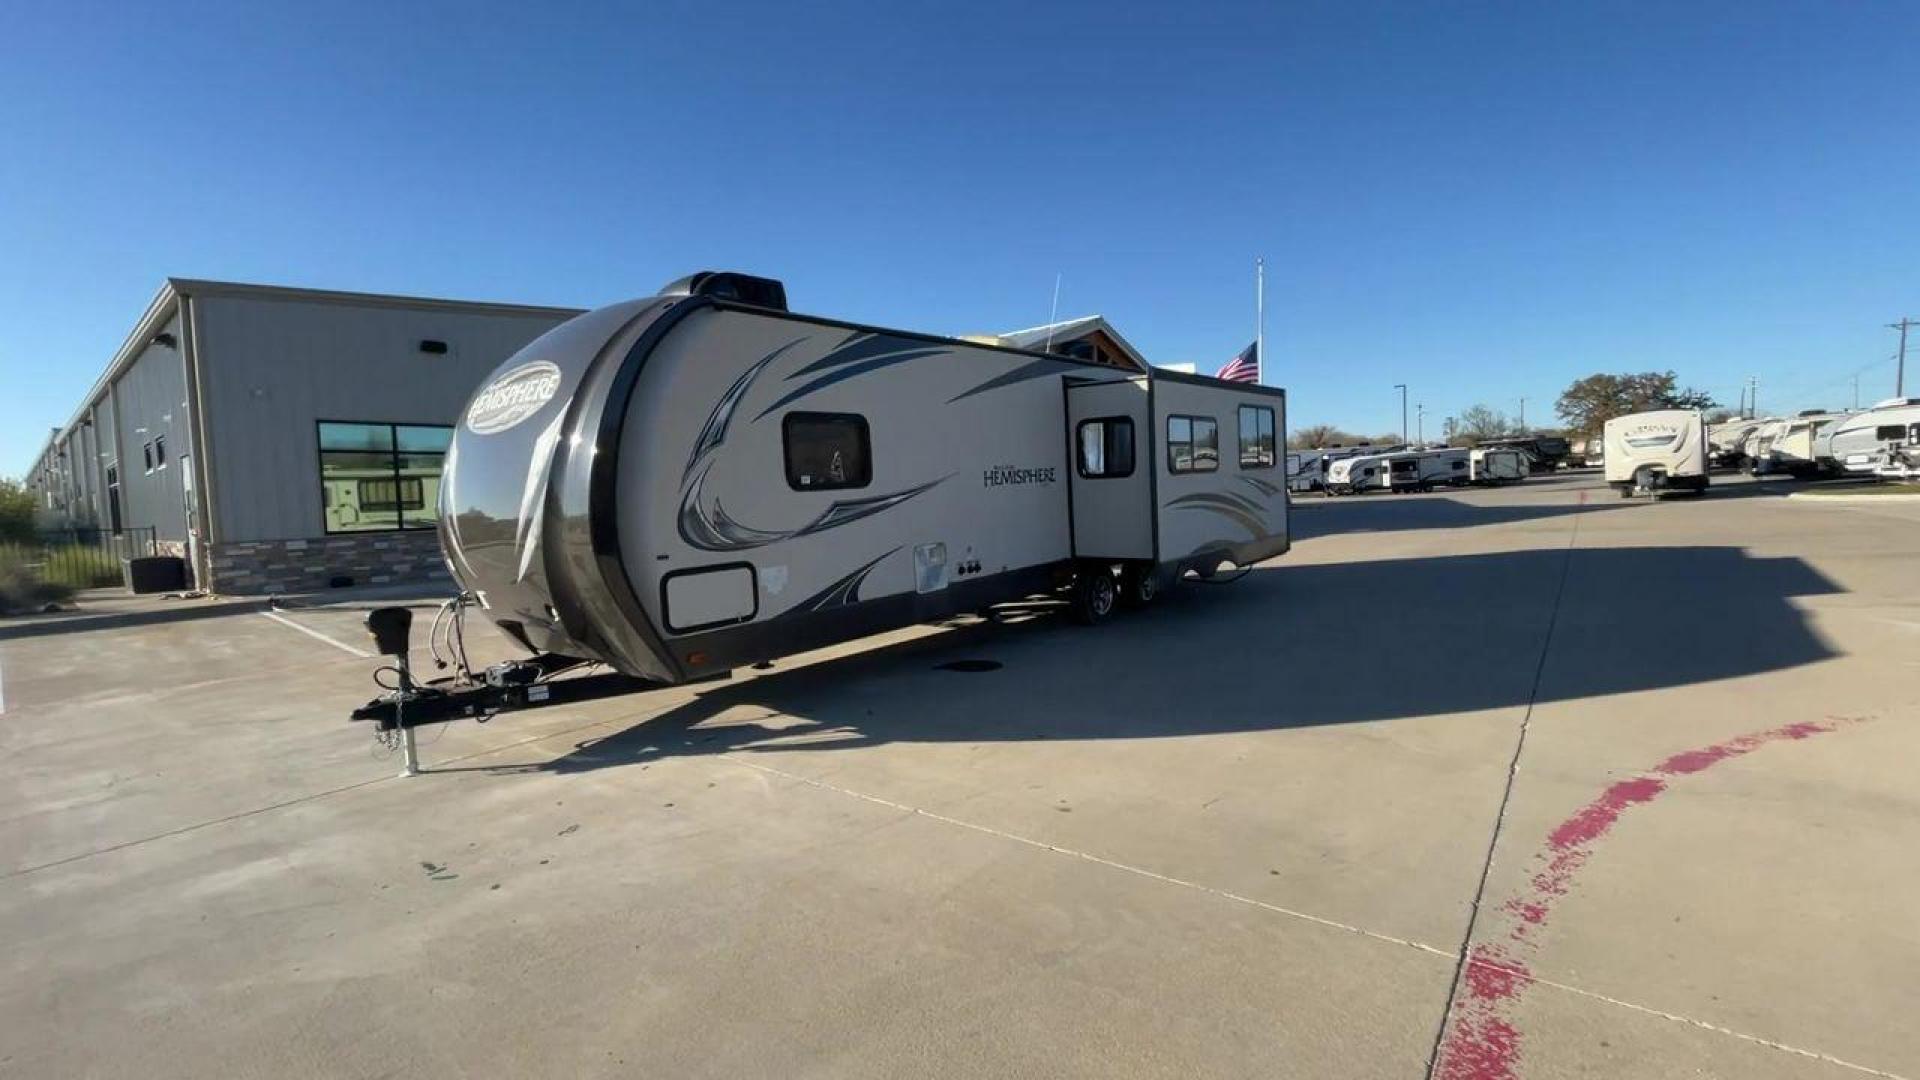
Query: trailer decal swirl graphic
[[1236, 508], [705, 524], [841, 593], [852, 362], [714, 431], [1034, 370]]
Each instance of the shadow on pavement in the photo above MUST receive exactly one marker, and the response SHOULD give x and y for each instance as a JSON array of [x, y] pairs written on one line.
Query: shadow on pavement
[[1286, 647], [1315, 515], [85, 622]]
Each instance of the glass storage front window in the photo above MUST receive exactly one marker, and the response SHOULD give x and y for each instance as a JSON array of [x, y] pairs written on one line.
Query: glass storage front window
[[379, 477]]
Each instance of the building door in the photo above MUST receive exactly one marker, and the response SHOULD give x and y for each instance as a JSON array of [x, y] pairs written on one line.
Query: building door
[[113, 498]]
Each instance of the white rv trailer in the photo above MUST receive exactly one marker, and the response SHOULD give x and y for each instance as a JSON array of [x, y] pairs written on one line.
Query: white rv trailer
[[1901, 458], [1307, 469], [1499, 465], [682, 484], [1424, 470], [1757, 449], [1793, 449], [1356, 474], [1855, 444], [1727, 441], [1655, 452]]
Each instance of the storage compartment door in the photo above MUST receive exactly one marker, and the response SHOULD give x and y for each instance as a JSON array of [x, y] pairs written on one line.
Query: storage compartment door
[[1111, 461]]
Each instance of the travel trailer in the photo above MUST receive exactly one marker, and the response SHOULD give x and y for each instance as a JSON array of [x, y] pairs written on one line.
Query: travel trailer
[[1424, 470], [1496, 465], [1901, 460], [1307, 469], [1857, 443], [1357, 474], [1727, 441], [1657, 452], [1757, 449], [1545, 453], [683, 484], [1793, 449]]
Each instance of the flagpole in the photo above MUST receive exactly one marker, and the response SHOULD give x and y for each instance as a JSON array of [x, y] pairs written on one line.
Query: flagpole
[[1260, 317]]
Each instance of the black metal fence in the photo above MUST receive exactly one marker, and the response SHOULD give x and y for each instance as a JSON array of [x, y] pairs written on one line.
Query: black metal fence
[[81, 558]]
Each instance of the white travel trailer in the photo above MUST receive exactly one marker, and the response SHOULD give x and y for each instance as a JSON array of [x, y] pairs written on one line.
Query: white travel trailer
[[679, 485], [1357, 474], [1656, 452], [1307, 469], [1727, 441], [1793, 449], [1499, 465], [1901, 459], [1424, 470], [1757, 448], [1857, 443]]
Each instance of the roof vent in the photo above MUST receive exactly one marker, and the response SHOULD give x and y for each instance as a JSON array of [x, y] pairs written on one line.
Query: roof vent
[[727, 285]]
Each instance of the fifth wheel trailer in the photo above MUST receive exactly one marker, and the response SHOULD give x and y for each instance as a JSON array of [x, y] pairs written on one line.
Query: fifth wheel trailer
[[1497, 465], [1655, 452], [682, 484]]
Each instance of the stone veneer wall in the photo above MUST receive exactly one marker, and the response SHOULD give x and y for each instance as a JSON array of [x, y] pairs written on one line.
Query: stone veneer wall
[[375, 558]]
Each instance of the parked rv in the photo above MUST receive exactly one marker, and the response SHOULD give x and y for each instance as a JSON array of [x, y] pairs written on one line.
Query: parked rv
[[1757, 449], [1657, 452], [1545, 453], [1901, 458], [1307, 469], [1496, 465], [682, 484], [1793, 449], [1357, 474], [1727, 441], [1857, 443], [1424, 470]]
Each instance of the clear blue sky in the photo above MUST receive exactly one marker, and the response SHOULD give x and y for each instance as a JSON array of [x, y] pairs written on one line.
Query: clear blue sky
[[1484, 202]]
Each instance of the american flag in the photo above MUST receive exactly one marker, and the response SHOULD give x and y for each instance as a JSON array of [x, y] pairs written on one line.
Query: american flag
[[1242, 368]]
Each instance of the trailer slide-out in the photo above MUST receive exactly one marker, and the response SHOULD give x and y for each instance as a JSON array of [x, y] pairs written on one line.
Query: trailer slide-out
[[684, 484]]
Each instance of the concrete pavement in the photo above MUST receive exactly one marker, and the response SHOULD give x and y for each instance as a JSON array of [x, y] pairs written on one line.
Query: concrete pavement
[[1250, 832]]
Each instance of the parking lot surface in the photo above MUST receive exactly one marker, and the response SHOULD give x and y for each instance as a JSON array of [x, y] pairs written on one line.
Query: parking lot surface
[[1528, 782]]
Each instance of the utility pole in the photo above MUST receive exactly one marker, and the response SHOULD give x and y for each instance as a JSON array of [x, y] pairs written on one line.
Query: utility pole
[[1523, 416], [1753, 397], [1856, 393], [1421, 412], [1402, 387], [1743, 402], [1900, 370]]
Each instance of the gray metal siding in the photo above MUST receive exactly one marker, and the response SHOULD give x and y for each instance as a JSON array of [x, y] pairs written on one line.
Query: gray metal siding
[[271, 369], [152, 396]]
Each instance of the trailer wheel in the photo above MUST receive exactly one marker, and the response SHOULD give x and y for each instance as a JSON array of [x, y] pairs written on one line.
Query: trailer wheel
[[1138, 586], [1094, 595]]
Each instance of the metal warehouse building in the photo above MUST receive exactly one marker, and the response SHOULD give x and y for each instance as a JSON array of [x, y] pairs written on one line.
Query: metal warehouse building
[[280, 439]]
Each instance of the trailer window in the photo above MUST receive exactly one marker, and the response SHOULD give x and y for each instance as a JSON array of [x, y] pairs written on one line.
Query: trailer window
[[1889, 433], [827, 451], [1256, 437], [1193, 444], [1106, 448]]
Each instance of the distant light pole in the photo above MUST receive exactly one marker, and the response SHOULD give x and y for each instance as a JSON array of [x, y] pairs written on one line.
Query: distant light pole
[[1420, 411], [1523, 416], [1402, 387], [1900, 371]]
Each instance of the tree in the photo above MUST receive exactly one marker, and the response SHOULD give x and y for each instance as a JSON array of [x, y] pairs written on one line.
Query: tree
[[1479, 423], [1315, 436], [16, 512], [1589, 403]]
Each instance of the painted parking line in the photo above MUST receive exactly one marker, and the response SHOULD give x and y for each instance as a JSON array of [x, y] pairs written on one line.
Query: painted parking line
[[317, 635]]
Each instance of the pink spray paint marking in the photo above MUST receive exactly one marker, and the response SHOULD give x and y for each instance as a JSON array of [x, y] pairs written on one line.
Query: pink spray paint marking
[[1481, 1041]]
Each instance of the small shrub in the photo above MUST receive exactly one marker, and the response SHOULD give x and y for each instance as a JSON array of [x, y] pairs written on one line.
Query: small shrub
[[22, 588]]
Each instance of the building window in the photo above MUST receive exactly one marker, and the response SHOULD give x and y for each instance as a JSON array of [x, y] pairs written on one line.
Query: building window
[[827, 451], [1106, 447], [1193, 444], [146, 452], [160, 451], [378, 477], [1256, 437]]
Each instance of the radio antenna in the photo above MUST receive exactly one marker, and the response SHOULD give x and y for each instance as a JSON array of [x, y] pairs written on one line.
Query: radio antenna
[[1053, 316]]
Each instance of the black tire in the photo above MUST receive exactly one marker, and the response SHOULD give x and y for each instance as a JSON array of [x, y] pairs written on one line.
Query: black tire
[[1138, 586], [1094, 596]]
